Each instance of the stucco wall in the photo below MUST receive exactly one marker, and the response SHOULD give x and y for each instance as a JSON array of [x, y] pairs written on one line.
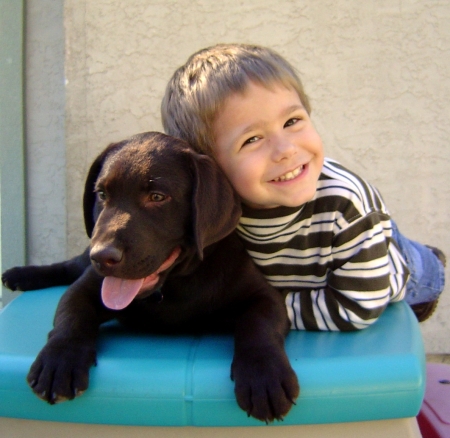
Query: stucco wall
[[377, 74], [45, 137]]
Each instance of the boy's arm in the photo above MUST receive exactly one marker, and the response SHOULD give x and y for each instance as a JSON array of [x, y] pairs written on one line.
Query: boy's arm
[[363, 279], [327, 310]]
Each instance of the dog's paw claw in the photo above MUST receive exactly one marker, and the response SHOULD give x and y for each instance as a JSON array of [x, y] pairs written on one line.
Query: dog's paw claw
[[43, 396], [78, 392], [58, 398]]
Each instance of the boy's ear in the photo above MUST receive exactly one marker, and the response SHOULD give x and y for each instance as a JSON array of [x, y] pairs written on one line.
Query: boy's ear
[[90, 210], [216, 206]]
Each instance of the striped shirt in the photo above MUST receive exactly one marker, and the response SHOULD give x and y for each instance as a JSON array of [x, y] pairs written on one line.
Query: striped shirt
[[333, 257]]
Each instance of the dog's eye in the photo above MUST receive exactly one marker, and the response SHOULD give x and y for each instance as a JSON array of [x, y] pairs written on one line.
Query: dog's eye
[[157, 197], [101, 195]]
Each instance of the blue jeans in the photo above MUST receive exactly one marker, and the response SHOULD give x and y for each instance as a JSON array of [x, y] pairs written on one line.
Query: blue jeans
[[427, 277]]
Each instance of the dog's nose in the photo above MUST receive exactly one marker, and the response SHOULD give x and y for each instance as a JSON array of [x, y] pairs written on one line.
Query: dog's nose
[[106, 256]]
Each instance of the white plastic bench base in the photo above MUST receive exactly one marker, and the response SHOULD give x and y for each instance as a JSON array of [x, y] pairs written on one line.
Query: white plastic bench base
[[401, 428]]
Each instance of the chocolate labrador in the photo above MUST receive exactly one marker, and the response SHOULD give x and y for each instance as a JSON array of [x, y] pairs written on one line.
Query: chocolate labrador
[[163, 257]]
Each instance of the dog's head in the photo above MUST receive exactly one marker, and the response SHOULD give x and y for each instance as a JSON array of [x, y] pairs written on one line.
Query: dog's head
[[150, 202]]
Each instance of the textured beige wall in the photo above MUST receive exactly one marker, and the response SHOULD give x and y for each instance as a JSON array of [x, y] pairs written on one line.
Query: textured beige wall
[[378, 74], [45, 137]]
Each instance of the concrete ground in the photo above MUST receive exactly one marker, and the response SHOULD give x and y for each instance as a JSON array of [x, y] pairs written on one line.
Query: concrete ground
[[439, 358]]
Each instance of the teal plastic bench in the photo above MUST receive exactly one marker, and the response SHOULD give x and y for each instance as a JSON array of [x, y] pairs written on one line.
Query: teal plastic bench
[[148, 380]]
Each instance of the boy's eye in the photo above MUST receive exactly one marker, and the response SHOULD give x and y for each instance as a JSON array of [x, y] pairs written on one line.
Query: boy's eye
[[291, 122], [250, 140]]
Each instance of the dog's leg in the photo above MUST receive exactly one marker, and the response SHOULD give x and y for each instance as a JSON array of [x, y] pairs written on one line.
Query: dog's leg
[[266, 386], [23, 278], [61, 370]]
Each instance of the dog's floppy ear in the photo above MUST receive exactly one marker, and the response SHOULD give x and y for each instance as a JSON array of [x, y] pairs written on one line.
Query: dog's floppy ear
[[216, 206], [89, 197]]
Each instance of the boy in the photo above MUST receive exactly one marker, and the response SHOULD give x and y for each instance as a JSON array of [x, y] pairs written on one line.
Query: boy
[[320, 234]]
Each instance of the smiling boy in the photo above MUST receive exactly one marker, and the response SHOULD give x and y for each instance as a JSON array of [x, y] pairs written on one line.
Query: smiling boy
[[320, 234], [267, 146]]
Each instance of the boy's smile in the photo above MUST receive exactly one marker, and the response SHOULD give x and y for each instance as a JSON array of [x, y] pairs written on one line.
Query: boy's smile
[[267, 146], [290, 175]]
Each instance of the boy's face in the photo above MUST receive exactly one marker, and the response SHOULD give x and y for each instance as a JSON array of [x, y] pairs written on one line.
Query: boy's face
[[267, 146]]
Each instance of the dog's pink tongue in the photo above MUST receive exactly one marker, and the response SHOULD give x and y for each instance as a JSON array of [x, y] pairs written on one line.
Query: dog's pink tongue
[[117, 293]]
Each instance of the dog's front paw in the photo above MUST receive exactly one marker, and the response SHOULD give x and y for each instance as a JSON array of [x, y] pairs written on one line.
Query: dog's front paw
[[61, 371], [266, 386]]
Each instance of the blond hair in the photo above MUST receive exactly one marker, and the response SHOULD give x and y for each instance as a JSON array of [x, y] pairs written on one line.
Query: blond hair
[[197, 90]]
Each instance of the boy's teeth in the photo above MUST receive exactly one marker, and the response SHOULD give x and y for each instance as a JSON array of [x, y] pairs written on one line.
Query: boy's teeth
[[290, 175]]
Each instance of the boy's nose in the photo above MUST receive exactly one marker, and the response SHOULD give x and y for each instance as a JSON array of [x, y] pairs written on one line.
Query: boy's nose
[[282, 148]]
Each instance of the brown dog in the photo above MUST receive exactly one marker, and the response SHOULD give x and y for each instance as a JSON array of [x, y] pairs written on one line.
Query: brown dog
[[164, 258]]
